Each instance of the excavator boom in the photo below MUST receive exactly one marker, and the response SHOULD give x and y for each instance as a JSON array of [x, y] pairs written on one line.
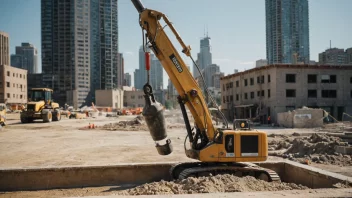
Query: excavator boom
[[218, 149]]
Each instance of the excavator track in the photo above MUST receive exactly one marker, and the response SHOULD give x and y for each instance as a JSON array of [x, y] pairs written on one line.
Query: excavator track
[[197, 169]]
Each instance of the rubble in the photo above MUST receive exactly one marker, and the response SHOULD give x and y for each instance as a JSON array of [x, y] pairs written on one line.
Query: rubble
[[137, 124], [318, 148], [210, 184]]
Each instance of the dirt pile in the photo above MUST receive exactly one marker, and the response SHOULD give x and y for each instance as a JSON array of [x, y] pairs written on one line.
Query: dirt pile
[[211, 184], [318, 148]]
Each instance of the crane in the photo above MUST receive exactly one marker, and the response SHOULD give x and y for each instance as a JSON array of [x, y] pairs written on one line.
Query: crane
[[217, 150]]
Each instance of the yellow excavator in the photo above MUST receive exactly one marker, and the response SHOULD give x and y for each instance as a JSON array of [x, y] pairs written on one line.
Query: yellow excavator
[[218, 150]]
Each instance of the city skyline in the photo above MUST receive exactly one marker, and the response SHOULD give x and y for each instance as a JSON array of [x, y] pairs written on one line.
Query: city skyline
[[234, 47]]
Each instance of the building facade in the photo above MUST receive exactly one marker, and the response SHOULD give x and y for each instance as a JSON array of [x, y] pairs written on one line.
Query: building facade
[[127, 80], [261, 92], [26, 57], [13, 85], [104, 45], [140, 74], [4, 48], [156, 74], [261, 62], [35, 81], [120, 70], [134, 98], [209, 72], [335, 56], [66, 50], [287, 31], [109, 98]]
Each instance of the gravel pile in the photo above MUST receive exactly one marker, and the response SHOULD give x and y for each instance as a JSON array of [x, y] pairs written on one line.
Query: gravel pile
[[137, 124], [210, 184]]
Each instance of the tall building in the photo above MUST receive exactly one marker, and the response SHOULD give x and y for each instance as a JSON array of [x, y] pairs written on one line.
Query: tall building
[[17, 61], [120, 70], [156, 75], [349, 55], [140, 75], [104, 45], [127, 80], [4, 48], [287, 31], [209, 72], [26, 57], [204, 57], [333, 56], [261, 62], [65, 30]]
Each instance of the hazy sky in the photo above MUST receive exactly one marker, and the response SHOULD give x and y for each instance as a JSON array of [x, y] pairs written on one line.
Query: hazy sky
[[236, 27]]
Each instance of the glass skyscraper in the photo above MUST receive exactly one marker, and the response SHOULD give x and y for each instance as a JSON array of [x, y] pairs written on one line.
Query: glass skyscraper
[[287, 31], [79, 48]]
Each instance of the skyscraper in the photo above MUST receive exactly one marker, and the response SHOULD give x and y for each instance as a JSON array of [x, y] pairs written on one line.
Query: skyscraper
[[127, 81], [140, 75], [26, 57], [204, 56], [65, 27], [79, 48], [104, 45], [4, 48], [287, 31], [156, 74], [333, 56], [208, 74], [120, 70]]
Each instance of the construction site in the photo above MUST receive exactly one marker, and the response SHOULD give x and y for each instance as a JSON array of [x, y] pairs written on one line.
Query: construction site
[[104, 155]]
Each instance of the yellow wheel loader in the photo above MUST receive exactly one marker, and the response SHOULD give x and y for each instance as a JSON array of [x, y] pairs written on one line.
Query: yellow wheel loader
[[40, 106]]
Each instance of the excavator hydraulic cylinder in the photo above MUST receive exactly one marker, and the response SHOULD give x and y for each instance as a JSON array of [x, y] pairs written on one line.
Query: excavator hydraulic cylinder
[[154, 117]]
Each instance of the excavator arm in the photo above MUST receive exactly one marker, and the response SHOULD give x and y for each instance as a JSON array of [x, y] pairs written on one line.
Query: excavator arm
[[190, 94]]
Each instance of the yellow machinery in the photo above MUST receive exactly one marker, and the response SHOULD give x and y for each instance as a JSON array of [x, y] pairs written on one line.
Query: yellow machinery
[[219, 150], [3, 114], [40, 106]]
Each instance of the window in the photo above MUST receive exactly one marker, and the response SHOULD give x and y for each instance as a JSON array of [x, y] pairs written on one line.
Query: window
[[14, 95], [13, 74], [328, 78], [290, 93], [227, 99], [312, 78], [245, 82], [268, 93], [231, 84], [262, 80], [312, 93], [290, 78], [238, 83], [231, 98], [20, 75], [223, 99], [245, 96], [132, 97], [252, 94], [8, 73], [269, 78], [258, 79], [7, 84], [258, 93], [262, 93], [237, 97], [252, 81], [223, 87], [328, 93], [8, 95]]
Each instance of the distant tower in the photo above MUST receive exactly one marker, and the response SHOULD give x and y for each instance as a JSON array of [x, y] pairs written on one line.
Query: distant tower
[[287, 31]]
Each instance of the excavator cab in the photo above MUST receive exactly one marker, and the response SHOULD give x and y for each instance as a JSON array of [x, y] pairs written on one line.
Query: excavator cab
[[241, 124]]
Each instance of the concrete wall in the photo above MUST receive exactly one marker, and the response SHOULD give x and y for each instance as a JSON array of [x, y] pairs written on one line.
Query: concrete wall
[[301, 118], [13, 85], [109, 98], [93, 176]]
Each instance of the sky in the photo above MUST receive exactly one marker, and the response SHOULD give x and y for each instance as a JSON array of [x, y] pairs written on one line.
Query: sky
[[236, 28]]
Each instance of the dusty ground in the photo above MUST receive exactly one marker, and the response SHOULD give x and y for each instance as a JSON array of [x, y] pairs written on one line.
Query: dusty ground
[[64, 143]]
